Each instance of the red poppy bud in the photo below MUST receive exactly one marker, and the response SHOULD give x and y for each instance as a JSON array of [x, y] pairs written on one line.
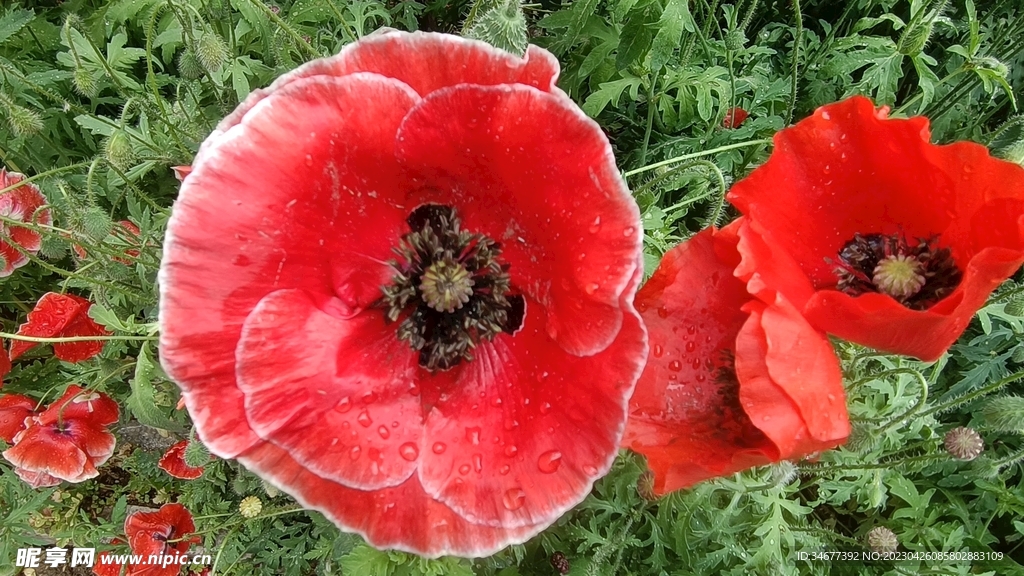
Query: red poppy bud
[[173, 462], [734, 117]]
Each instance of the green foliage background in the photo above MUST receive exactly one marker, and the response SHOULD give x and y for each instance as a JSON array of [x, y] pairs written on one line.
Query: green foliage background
[[98, 99]]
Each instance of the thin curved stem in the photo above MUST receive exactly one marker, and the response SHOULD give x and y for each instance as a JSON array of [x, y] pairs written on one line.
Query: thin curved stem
[[42, 340], [693, 155]]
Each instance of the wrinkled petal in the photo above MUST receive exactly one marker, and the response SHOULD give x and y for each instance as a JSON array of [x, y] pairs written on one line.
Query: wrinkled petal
[[173, 462], [402, 518], [849, 169], [730, 382], [37, 479], [531, 171], [22, 203], [61, 316], [243, 227], [334, 392], [70, 452], [149, 532], [424, 61], [14, 409], [527, 428], [79, 404]]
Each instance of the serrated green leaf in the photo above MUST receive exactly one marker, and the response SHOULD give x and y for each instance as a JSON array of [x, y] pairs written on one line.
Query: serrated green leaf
[[674, 20], [13, 21], [581, 11]]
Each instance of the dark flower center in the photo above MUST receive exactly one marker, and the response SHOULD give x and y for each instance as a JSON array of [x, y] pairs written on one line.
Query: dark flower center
[[915, 276], [451, 286], [735, 424]]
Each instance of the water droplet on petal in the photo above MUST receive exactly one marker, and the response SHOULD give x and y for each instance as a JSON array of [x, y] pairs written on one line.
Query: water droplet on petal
[[369, 398], [675, 365], [473, 435], [825, 115], [364, 419], [663, 312], [628, 231], [691, 346], [589, 470], [464, 469], [511, 424], [658, 351], [511, 450], [545, 408], [384, 432], [596, 225], [309, 159], [344, 405], [439, 447], [478, 462], [592, 287], [514, 499], [354, 452], [409, 451], [691, 329], [549, 461], [504, 469]]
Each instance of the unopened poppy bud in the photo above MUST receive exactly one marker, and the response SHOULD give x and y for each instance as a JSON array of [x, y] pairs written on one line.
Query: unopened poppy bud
[[189, 65], [196, 454], [881, 539], [964, 443], [915, 37], [21, 120], [118, 150], [862, 437], [735, 40], [211, 51], [559, 562], [645, 486], [250, 506], [84, 82], [1005, 414], [53, 248], [503, 26], [96, 224]]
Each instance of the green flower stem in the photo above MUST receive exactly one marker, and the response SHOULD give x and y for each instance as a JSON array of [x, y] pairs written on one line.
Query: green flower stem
[[797, 37], [42, 340], [1011, 459], [921, 400], [650, 116], [40, 175], [693, 155], [352, 33], [126, 290], [923, 458], [952, 403]]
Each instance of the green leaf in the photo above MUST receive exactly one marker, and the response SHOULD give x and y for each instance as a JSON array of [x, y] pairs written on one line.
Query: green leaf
[[13, 21], [634, 42], [609, 93], [581, 11], [142, 401], [674, 19]]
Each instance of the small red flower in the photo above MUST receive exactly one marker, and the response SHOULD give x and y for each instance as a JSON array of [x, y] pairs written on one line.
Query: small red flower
[[14, 409], [23, 204], [878, 236], [734, 117], [61, 316], [731, 382], [398, 285], [173, 462], [161, 533], [67, 441], [180, 172]]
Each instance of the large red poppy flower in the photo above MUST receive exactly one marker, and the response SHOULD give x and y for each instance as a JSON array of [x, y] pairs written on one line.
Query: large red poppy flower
[[731, 382], [173, 462], [23, 204], [14, 409], [61, 316], [878, 236], [67, 441], [398, 284]]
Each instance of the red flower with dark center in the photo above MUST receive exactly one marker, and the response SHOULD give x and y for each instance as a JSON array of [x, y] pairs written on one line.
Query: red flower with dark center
[[61, 316], [731, 382], [173, 462], [734, 117], [161, 533], [398, 285], [14, 409], [22, 204], [876, 235], [67, 441]]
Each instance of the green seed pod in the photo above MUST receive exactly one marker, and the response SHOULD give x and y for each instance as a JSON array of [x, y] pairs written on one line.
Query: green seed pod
[[196, 454], [189, 65], [240, 485], [84, 82], [211, 51], [915, 37], [863, 438], [119, 151], [503, 26], [96, 224], [735, 40], [963, 443], [882, 540], [250, 507], [1005, 414]]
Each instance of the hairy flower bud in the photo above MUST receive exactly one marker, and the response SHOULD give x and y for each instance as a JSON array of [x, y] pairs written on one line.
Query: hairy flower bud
[[189, 65], [211, 51], [21, 120], [118, 150], [735, 40], [503, 26], [96, 224], [84, 82], [1005, 414], [196, 454]]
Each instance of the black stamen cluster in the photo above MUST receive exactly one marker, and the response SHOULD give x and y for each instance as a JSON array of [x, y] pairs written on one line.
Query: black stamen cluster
[[444, 339], [859, 257]]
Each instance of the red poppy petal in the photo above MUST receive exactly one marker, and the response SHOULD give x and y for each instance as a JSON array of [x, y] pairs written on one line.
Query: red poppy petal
[[106, 568], [527, 427], [531, 171], [848, 169], [172, 520], [402, 518], [79, 404], [790, 381], [14, 408], [766, 268], [173, 462], [21, 203], [244, 227], [82, 325], [334, 392], [679, 415], [42, 449], [425, 62], [48, 319], [37, 479]]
